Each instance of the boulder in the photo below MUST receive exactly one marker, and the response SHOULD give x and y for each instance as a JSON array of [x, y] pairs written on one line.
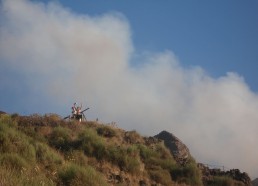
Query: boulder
[[255, 182], [235, 174], [2, 112], [177, 148]]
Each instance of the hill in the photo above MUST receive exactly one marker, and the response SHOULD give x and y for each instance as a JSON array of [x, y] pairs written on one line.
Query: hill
[[46, 150]]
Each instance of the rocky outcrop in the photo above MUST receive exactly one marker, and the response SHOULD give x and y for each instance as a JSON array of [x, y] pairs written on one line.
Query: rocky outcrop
[[255, 182], [235, 174], [182, 155], [177, 148], [2, 112]]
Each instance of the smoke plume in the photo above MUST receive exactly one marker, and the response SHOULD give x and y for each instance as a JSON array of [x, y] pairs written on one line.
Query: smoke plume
[[51, 56]]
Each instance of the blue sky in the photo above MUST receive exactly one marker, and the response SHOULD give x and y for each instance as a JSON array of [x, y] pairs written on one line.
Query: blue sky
[[188, 67], [220, 36]]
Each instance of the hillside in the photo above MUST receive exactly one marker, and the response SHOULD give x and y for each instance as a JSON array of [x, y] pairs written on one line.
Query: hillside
[[46, 150]]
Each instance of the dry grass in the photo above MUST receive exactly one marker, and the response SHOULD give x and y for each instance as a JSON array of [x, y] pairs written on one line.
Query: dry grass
[[49, 151]]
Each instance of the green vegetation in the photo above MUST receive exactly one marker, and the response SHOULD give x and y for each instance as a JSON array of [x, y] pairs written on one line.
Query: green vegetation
[[73, 174], [45, 150], [91, 143], [126, 158], [60, 138], [189, 174], [26, 160], [223, 181], [106, 131]]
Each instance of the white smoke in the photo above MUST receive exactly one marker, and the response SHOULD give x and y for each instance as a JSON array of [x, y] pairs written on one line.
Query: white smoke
[[60, 56]]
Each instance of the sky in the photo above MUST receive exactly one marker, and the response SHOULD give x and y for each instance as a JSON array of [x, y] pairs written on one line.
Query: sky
[[188, 67]]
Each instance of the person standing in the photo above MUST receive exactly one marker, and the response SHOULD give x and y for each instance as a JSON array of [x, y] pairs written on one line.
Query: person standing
[[74, 110]]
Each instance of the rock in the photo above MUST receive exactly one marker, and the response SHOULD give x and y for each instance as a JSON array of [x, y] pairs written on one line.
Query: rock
[[177, 148], [239, 176], [151, 140], [142, 183], [2, 112], [255, 182], [235, 174]]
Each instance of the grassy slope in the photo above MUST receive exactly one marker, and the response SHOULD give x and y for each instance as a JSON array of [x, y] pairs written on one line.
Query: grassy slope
[[45, 150]]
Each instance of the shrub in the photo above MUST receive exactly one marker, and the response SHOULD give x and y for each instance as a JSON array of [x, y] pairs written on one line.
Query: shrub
[[126, 158], [60, 138], [161, 176], [91, 143], [47, 156], [164, 153], [146, 153], [68, 174], [158, 156], [11, 177], [221, 180], [189, 174], [132, 164], [133, 137], [106, 131], [164, 163], [31, 131], [133, 151], [6, 121], [14, 115], [33, 120], [77, 157], [52, 119], [13, 141], [34, 178], [13, 161], [74, 174]]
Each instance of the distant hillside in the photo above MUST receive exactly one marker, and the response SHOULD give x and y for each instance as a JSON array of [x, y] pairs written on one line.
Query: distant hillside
[[46, 150]]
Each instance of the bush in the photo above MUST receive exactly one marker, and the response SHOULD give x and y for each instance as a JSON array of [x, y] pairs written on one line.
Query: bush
[[132, 164], [222, 181], [6, 121], [37, 120], [106, 131], [13, 141], [52, 119], [77, 157], [161, 176], [133, 151], [158, 156], [146, 153], [61, 139], [68, 174], [33, 120], [74, 174], [91, 143], [164, 153], [13, 161], [133, 137], [126, 158], [189, 174], [47, 156], [14, 115], [11, 177]]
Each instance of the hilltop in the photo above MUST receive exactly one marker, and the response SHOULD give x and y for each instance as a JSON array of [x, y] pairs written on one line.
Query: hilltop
[[46, 150]]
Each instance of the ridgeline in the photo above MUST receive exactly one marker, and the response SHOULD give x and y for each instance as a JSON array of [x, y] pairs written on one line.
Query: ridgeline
[[46, 150]]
